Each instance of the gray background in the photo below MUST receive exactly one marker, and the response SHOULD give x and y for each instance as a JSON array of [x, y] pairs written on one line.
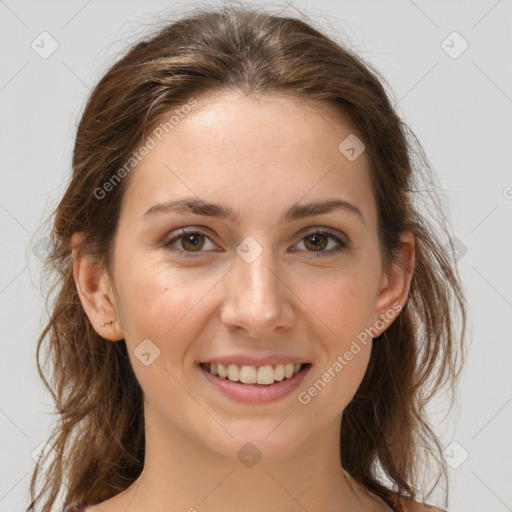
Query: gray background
[[460, 108]]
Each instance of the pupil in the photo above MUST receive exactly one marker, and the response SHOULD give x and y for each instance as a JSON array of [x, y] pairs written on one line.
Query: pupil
[[192, 240], [317, 240]]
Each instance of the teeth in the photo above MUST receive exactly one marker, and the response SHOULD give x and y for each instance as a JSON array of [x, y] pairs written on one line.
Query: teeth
[[248, 374], [223, 371], [279, 372], [234, 373], [265, 375]]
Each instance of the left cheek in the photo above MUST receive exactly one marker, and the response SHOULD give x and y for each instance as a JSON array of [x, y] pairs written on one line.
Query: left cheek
[[348, 373], [344, 310], [170, 313], [155, 297]]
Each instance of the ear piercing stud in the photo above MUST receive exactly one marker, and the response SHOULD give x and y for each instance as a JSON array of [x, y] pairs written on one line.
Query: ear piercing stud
[[106, 323]]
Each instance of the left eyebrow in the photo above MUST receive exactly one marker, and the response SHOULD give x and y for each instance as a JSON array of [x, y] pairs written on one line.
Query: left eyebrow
[[296, 212], [299, 211], [196, 206]]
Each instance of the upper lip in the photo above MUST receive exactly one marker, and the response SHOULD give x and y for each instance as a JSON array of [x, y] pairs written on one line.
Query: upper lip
[[247, 360]]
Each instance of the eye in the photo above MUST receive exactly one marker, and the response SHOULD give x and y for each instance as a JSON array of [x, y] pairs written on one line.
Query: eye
[[192, 241], [319, 240]]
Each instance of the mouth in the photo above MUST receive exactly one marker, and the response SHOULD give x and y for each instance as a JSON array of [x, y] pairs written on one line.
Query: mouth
[[254, 384], [263, 376]]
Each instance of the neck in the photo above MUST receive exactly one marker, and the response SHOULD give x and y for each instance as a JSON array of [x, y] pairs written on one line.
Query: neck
[[182, 474]]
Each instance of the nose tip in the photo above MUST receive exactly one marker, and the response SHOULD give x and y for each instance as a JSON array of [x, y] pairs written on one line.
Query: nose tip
[[258, 301]]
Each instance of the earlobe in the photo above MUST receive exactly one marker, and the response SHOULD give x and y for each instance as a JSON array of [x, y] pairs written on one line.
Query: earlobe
[[396, 283], [95, 292]]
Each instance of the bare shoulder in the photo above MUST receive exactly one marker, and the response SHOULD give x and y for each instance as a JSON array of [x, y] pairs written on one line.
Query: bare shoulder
[[114, 504], [99, 507], [420, 507]]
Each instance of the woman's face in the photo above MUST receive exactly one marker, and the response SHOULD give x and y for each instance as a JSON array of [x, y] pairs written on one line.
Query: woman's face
[[265, 284]]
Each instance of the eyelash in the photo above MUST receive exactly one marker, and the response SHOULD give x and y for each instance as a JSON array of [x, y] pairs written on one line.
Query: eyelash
[[342, 244]]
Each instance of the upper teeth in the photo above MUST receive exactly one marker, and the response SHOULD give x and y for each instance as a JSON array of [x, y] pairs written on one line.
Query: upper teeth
[[252, 374]]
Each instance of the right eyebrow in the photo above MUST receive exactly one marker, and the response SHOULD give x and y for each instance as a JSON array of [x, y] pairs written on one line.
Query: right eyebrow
[[295, 212]]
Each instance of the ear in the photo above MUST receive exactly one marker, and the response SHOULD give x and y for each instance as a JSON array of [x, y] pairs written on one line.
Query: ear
[[95, 292], [395, 284]]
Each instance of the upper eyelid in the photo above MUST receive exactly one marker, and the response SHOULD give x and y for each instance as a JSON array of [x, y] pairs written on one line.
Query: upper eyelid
[[181, 232]]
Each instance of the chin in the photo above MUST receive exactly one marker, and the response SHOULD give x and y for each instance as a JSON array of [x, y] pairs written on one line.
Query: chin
[[265, 438]]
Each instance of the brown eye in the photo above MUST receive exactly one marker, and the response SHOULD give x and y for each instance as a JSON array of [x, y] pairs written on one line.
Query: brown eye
[[192, 241], [317, 241], [188, 243]]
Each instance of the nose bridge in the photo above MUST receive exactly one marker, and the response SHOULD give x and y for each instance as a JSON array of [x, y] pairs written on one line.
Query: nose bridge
[[259, 279], [257, 298]]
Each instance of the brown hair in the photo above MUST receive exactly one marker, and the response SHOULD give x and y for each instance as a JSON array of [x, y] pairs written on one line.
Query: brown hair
[[99, 441]]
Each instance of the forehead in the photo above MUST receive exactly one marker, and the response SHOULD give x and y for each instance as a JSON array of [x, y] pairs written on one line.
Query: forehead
[[263, 150], [237, 124]]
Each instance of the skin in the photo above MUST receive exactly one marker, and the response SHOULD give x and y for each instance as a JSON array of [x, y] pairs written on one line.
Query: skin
[[258, 156]]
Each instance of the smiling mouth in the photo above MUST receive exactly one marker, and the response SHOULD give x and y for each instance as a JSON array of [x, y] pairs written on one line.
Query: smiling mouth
[[262, 375]]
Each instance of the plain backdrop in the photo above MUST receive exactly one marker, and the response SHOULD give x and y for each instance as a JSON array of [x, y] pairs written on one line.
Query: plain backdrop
[[448, 65]]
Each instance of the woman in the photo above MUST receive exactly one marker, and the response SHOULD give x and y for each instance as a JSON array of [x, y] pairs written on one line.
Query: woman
[[251, 307]]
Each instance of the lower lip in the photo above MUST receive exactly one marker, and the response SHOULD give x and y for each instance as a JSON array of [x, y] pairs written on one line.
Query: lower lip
[[252, 394]]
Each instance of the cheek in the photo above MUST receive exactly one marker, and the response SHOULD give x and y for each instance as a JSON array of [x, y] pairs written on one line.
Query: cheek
[[344, 306], [343, 303], [328, 392], [163, 313], [350, 353], [163, 304], [353, 370]]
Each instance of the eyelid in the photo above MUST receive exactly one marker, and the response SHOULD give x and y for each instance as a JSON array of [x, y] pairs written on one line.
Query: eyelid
[[342, 241], [325, 230], [339, 237], [180, 233]]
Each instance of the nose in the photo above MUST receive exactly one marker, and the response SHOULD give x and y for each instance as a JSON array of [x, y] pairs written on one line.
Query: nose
[[258, 301]]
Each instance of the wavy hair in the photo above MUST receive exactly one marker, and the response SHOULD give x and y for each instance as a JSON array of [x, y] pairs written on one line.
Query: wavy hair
[[387, 442]]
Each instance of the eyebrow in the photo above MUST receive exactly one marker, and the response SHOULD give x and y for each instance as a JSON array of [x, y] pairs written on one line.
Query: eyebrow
[[296, 212]]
